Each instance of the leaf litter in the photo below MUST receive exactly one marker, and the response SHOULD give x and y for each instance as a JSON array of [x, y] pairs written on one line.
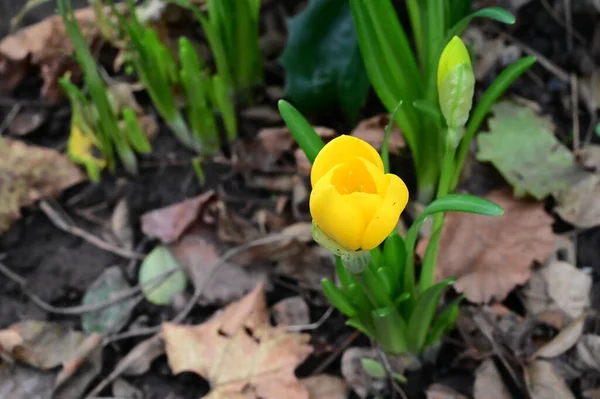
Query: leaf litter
[[239, 352], [491, 255]]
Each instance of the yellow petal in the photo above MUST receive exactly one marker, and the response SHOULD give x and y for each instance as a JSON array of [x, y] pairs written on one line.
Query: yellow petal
[[454, 53], [378, 176], [386, 217], [341, 150], [335, 216], [367, 204]]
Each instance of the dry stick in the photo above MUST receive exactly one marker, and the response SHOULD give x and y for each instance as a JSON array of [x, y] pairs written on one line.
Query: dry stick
[[331, 358], [575, 112], [388, 369], [199, 289], [77, 310], [59, 222]]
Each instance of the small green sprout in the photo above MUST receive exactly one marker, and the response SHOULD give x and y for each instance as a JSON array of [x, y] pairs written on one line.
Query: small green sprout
[[95, 121]]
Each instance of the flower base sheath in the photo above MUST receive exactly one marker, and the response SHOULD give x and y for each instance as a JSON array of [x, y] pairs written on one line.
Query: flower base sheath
[[353, 201]]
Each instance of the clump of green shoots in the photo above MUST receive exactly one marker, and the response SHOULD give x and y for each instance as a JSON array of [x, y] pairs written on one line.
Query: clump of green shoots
[[401, 73], [232, 31], [96, 121], [164, 78]]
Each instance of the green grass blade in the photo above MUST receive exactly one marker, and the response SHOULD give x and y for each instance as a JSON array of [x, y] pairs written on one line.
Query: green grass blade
[[134, 133], [304, 134]]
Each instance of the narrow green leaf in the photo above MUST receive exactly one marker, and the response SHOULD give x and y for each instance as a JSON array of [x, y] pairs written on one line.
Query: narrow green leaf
[[463, 203], [224, 103], [501, 83], [134, 132], [495, 13], [337, 298], [430, 111], [384, 276], [429, 262], [444, 322], [385, 145], [394, 253], [377, 260], [304, 134], [197, 165], [390, 330], [343, 274], [422, 316]]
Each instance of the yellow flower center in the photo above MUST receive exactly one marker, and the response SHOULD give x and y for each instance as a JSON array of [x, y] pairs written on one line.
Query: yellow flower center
[[353, 177]]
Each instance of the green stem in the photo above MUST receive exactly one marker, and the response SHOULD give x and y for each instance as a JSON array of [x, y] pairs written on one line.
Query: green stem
[[444, 187]]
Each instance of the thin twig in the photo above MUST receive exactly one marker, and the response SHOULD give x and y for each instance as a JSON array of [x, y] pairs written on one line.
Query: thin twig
[[312, 326], [59, 222], [77, 310], [575, 111], [334, 355], [14, 111], [390, 372]]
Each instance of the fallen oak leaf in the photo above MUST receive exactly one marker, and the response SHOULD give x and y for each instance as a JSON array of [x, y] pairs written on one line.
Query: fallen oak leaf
[[29, 173], [238, 351], [490, 255]]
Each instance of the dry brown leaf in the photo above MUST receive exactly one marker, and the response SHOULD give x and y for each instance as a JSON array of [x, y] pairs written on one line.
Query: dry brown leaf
[[197, 251], [232, 228], [579, 203], [168, 223], [372, 131], [563, 341], [238, 351], [490, 255], [543, 382], [325, 386], [29, 173], [292, 311], [558, 285], [40, 344], [46, 45], [28, 121], [488, 382]]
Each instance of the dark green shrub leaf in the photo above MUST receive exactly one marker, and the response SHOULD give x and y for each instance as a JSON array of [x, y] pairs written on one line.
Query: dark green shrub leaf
[[322, 60]]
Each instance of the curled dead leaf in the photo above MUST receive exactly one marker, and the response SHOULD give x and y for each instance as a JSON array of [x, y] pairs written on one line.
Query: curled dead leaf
[[44, 44], [579, 203], [29, 173], [564, 341], [558, 285], [238, 350], [490, 255], [543, 382]]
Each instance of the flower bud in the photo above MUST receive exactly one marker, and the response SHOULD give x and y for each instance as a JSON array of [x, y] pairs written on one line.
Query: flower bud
[[456, 83]]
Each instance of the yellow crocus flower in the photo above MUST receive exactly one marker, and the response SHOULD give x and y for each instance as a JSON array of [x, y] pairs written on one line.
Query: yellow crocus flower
[[353, 201]]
